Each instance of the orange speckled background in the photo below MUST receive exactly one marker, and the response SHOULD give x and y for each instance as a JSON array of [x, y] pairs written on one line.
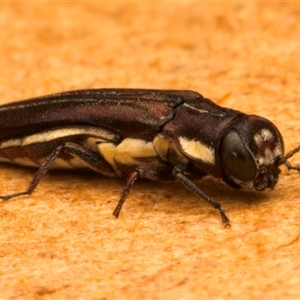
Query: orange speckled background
[[63, 243]]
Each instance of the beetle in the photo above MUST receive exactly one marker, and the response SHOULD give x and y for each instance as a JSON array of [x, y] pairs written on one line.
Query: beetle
[[142, 133]]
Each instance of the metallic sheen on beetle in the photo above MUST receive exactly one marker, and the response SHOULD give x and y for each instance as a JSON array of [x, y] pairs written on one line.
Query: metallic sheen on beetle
[[142, 133]]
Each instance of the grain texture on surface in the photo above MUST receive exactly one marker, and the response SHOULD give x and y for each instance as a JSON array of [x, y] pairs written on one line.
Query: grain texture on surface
[[62, 241]]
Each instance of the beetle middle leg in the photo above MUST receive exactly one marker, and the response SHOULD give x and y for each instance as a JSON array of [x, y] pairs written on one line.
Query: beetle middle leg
[[179, 171], [92, 160], [146, 172], [130, 181]]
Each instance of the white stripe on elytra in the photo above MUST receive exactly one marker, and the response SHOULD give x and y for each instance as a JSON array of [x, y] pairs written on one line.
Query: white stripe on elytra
[[49, 135]]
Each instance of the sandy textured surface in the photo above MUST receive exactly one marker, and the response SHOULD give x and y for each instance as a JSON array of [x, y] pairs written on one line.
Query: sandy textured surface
[[63, 243]]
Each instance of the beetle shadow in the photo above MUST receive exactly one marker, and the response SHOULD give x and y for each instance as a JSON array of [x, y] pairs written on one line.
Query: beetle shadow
[[171, 197]]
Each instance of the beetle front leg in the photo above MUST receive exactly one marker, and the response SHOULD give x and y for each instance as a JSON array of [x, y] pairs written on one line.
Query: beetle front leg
[[179, 171], [92, 159]]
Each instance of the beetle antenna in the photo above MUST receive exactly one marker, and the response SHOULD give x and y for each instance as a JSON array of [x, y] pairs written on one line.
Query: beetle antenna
[[285, 161]]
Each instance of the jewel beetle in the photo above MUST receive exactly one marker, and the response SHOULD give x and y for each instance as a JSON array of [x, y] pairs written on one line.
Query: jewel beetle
[[142, 133]]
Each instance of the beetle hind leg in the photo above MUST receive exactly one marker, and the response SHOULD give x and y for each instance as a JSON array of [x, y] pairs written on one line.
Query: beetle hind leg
[[93, 161], [179, 171]]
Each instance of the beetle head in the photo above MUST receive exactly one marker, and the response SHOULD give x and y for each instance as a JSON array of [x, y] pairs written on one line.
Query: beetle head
[[250, 153]]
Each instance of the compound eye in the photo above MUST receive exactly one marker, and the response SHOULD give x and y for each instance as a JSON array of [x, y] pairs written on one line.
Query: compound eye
[[236, 159]]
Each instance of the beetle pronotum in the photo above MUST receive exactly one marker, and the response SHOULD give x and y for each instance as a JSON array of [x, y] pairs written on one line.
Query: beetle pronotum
[[139, 133]]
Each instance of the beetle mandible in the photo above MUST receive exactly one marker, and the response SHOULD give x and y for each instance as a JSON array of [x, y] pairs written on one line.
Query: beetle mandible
[[142, 133]]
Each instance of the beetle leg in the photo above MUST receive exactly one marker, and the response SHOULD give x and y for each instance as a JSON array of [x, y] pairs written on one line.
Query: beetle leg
[[92, 159], [140, 172], [179, 171], [130, 181]]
